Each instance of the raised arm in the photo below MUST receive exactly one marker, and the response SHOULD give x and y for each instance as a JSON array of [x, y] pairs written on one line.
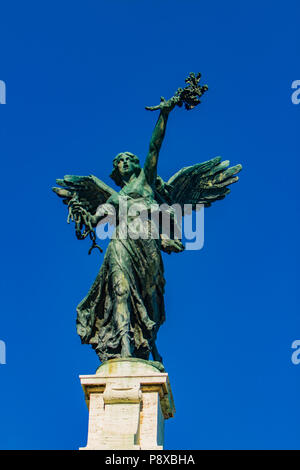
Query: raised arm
[[190, 97], [150, 167]]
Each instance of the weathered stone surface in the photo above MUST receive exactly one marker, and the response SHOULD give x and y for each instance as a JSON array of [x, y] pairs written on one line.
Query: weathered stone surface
[[128, 400]]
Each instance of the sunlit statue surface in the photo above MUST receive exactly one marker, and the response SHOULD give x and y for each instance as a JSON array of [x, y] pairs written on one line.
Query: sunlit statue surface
[[122, 312]]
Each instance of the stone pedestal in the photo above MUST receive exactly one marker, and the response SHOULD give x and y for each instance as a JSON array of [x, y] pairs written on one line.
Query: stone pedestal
[[128, 400]]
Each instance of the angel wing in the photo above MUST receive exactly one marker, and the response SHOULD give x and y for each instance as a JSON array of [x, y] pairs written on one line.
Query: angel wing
[[202, 183], [88, 190], [83, 195]]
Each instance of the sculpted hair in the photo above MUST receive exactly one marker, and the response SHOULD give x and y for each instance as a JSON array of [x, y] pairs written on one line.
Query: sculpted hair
[[115, 175]]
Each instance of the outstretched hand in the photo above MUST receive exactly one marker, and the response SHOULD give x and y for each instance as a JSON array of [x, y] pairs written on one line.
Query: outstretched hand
[[76, 209], [165, 105], [189, 96], [79, 214]]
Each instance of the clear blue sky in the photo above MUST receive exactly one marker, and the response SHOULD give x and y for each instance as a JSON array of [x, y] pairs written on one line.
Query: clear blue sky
[[78, 76]]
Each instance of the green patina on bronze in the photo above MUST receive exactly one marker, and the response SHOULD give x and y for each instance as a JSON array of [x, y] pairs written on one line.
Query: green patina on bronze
[[123, 311]]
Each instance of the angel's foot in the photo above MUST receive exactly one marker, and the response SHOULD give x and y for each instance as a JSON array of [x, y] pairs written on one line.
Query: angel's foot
[[125, 347]]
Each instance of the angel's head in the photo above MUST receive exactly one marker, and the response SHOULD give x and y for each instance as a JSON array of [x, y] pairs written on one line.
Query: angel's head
[[125, 164]]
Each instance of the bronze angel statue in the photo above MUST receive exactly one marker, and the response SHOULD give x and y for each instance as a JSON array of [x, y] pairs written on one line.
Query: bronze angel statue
[[123, 310]]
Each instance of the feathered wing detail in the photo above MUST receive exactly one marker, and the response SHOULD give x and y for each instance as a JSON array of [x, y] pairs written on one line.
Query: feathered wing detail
[[83, 195], [202, 183], [89, 191]]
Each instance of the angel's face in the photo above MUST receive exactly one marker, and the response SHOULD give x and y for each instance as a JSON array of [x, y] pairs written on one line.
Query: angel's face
[[126, 166]]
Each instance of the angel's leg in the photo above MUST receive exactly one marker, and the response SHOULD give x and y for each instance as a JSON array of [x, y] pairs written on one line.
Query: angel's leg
[[121, 312]]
